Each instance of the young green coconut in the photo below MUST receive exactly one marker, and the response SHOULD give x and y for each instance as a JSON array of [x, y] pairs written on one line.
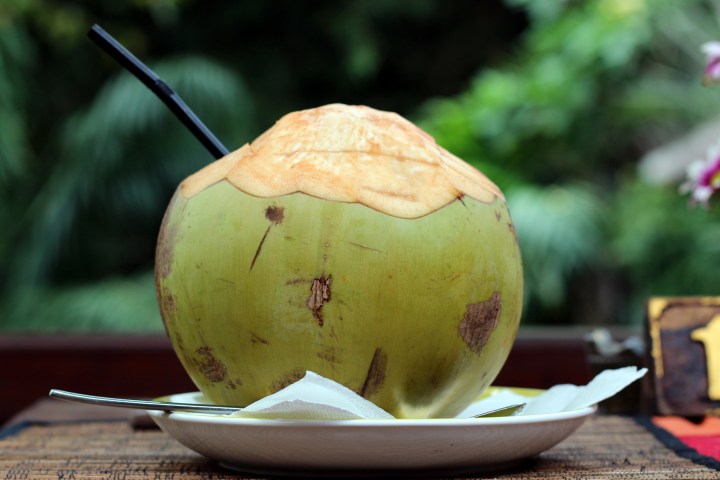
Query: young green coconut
[[346, 242]]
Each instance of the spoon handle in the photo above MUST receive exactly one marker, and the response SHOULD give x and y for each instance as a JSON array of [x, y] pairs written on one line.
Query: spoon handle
[[508, 411], [201, 408], [141, 404]]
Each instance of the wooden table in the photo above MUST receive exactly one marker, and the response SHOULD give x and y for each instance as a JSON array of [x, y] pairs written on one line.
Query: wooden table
[[53, 439]]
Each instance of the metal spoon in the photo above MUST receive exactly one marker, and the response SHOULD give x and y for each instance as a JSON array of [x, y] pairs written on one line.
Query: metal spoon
[[142, 404], [508, 411], [204, 408]]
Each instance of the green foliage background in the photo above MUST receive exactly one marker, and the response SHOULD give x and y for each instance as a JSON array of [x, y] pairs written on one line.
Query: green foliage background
[[555, 100]]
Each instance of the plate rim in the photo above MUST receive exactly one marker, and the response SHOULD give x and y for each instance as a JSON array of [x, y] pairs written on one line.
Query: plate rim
[[362, 447]]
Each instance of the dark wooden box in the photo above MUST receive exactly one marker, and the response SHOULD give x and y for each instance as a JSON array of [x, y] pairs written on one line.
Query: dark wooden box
[[683, 334]]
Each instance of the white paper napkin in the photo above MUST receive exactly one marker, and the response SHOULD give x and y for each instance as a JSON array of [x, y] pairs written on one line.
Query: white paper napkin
[[561, 398], [313, 397], [317, 398]]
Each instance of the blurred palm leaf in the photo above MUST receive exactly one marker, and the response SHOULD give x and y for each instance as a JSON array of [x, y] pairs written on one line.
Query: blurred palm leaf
[[544, 103], [98, 154], [663, 246], [15, 57], [107, 180], [112, 305], [560, 231]]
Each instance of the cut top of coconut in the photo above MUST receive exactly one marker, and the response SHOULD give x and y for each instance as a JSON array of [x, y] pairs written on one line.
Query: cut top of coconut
[[349, 154]]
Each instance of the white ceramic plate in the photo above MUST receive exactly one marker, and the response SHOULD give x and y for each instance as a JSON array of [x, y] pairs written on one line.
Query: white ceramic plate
[[361, 447]]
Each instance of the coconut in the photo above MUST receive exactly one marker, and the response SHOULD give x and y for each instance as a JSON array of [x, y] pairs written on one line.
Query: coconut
[[342, 241]]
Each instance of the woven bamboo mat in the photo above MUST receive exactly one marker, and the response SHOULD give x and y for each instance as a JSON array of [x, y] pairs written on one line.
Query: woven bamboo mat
[[605, 447]]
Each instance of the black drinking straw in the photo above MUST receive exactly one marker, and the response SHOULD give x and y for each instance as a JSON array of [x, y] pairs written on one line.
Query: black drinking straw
[[168, 96]]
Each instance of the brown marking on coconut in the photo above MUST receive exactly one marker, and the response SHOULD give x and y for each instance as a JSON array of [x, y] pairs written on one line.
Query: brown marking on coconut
[[363, 246], [329, 354], [498, 216], [376, 374], [275, 214], [164, 248], [325, 255], [210, 367], [319, 294], [255, 338], [168, 303], [179, 345], [479, 322], [164, 253], [168, 309], [511, 227], [287, 379], [259, 247]]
